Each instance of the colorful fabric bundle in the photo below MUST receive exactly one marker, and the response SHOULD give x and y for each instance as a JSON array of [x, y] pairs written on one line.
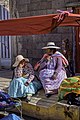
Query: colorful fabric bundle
[[11, 117], [69, 85], [6, 101]]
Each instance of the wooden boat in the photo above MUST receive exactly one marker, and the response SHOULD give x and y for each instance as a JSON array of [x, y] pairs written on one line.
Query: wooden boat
[[49, 109], [41, 107]]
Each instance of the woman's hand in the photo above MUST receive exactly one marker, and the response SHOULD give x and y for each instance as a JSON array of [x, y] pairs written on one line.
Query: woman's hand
[[26, 75], [29, 80], [26, 84], [46, 57], [54, 76]]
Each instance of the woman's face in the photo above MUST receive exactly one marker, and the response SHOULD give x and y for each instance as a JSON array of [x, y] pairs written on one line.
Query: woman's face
[[25, 64], [22, 63], [48, 51]]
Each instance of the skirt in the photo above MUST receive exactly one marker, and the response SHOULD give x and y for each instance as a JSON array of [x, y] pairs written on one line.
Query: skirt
[[18, 89]]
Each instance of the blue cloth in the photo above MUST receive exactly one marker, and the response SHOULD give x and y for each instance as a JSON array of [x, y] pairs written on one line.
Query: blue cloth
[[18, 89], [11, 117]]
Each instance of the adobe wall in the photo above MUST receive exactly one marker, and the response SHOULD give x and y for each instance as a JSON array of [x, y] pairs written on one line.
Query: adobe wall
[[30, 46]]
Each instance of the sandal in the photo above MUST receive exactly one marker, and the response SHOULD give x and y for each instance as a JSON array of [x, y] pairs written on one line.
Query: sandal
[[28, 98]]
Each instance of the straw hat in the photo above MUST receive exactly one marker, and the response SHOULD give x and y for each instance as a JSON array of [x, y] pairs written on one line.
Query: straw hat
[[19, 58], [51, 45]]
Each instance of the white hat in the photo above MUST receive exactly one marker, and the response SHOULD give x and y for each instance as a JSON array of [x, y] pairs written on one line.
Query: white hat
[[51, 45], [19, 58]]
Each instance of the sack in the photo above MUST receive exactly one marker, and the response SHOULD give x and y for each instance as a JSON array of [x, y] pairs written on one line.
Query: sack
[[11, 117], [72, 99], [4, 96], [6, 100]]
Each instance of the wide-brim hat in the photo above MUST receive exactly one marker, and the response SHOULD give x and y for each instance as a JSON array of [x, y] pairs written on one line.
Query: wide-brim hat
[[51, 45], [19, 58]]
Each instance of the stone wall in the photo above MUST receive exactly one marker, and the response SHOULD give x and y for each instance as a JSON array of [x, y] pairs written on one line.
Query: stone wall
[[30, 46]]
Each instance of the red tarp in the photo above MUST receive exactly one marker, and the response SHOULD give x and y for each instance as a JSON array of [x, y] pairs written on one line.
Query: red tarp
[[37, 24]]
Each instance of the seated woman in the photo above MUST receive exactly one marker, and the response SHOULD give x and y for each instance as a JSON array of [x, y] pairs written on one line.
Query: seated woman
[[52, 69], [28, 73], [21, 84], [70, 90]]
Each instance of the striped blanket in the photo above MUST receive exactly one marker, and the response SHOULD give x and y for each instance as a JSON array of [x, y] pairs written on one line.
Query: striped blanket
[[69, 85]]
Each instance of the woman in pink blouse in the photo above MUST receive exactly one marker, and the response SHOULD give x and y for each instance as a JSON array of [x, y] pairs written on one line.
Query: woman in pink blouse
[[23, 83], [52, 69]]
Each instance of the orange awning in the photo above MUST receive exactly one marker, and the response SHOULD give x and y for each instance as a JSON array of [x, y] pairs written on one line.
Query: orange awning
[[37, 24]]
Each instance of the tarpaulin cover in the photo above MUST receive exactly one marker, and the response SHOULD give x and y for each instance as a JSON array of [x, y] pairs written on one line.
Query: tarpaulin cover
[[42, 24]]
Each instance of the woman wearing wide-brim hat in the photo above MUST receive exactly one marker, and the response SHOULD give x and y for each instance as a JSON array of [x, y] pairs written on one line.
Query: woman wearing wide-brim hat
[[22, 86], [52, 69]]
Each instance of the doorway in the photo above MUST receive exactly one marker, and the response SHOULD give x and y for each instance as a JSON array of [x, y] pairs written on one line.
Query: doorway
[[5, 42]]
